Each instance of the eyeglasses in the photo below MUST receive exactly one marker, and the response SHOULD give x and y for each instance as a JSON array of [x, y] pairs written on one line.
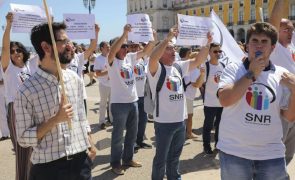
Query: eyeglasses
[[216, 51], [134, 46], [63, 41], [124, 46], [12, 51]]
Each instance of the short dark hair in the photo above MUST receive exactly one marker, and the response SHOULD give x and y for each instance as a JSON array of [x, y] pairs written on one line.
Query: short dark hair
[[214, 44], [41, 33], [22, 48], [101, 44], [263, 28], [183, 51]]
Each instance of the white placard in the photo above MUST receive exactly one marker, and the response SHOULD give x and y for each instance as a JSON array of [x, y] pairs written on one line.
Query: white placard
[[25, 17], [141, 28], [80, 26], [193, 30], [231, 50]]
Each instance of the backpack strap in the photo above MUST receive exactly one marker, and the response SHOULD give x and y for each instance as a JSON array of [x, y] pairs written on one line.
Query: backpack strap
[[178, 68], [207, 70], [159, 86]]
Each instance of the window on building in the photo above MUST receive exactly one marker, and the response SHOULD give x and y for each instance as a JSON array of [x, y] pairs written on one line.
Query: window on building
[[220, 7], [292, 10], [194, 12], [165, 3], [135, 6], [140, 5], [241, 15], [241, 4], [145, 4], [186, 12], [202, 10], [211, 8], [230, 16], [220, 14], [265, 1], [252, 2], [165, 22], [253, 13], [151, 4], [265, 12], [230, 5]]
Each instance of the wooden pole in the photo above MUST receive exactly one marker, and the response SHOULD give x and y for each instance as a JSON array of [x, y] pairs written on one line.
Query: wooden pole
[[261, 14], [56, 57]]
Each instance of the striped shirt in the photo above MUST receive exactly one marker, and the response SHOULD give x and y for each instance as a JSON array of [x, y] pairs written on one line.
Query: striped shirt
[[37, 101]]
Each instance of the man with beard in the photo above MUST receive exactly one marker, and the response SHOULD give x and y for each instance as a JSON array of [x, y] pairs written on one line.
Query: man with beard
[[42, 115]]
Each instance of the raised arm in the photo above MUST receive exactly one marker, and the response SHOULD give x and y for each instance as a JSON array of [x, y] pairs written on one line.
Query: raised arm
[[288, 79], [5, 57], [232, 93], [202, 55], [278, 12], [200, 79], [149, 47], [118, 43], [89, 51], [159, 50]]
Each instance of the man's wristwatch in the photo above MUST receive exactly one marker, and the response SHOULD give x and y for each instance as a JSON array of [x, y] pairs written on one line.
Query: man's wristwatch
[[250, 75]]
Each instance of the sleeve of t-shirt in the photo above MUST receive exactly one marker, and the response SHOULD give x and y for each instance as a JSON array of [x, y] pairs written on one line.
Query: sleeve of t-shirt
[[228, 75], [194, 75], [184, 65]]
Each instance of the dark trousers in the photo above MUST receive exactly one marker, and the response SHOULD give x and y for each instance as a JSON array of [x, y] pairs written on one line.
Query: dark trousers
[[77, 168], [211, 114], [142, 120]]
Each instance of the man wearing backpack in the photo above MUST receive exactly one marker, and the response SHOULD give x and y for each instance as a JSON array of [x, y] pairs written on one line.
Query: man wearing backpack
[[123, 100], [170, 102], [212, 107]]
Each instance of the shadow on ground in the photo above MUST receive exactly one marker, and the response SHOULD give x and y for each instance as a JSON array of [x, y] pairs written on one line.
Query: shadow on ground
[[200, 162]]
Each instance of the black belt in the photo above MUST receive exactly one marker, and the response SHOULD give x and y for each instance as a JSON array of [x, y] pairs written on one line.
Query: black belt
[[70, 157]]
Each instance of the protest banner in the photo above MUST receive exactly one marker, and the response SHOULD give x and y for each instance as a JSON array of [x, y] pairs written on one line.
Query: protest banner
[[141, 28], [80, 26]]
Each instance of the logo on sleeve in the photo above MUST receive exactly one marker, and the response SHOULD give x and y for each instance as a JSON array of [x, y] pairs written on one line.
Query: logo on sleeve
[[126, 72]]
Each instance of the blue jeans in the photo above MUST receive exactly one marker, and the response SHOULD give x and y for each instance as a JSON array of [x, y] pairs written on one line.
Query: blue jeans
[[142, 120], [170, 138], [125, 115], [233, 167]]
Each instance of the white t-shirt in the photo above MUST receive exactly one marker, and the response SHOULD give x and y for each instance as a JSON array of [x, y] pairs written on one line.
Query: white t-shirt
[[172, 107], [77, 64], [251, 128], [190, 92], [122, 79], [215, 72], [140, 71], [284, 57], [15, 76], [100, 63]]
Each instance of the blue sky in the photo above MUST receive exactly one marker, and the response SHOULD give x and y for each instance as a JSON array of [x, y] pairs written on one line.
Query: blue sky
[[109, 14]]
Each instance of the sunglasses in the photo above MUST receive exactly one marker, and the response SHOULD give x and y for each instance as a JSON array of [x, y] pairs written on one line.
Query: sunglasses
[[124, 46], [12, 51], [215, 52]]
